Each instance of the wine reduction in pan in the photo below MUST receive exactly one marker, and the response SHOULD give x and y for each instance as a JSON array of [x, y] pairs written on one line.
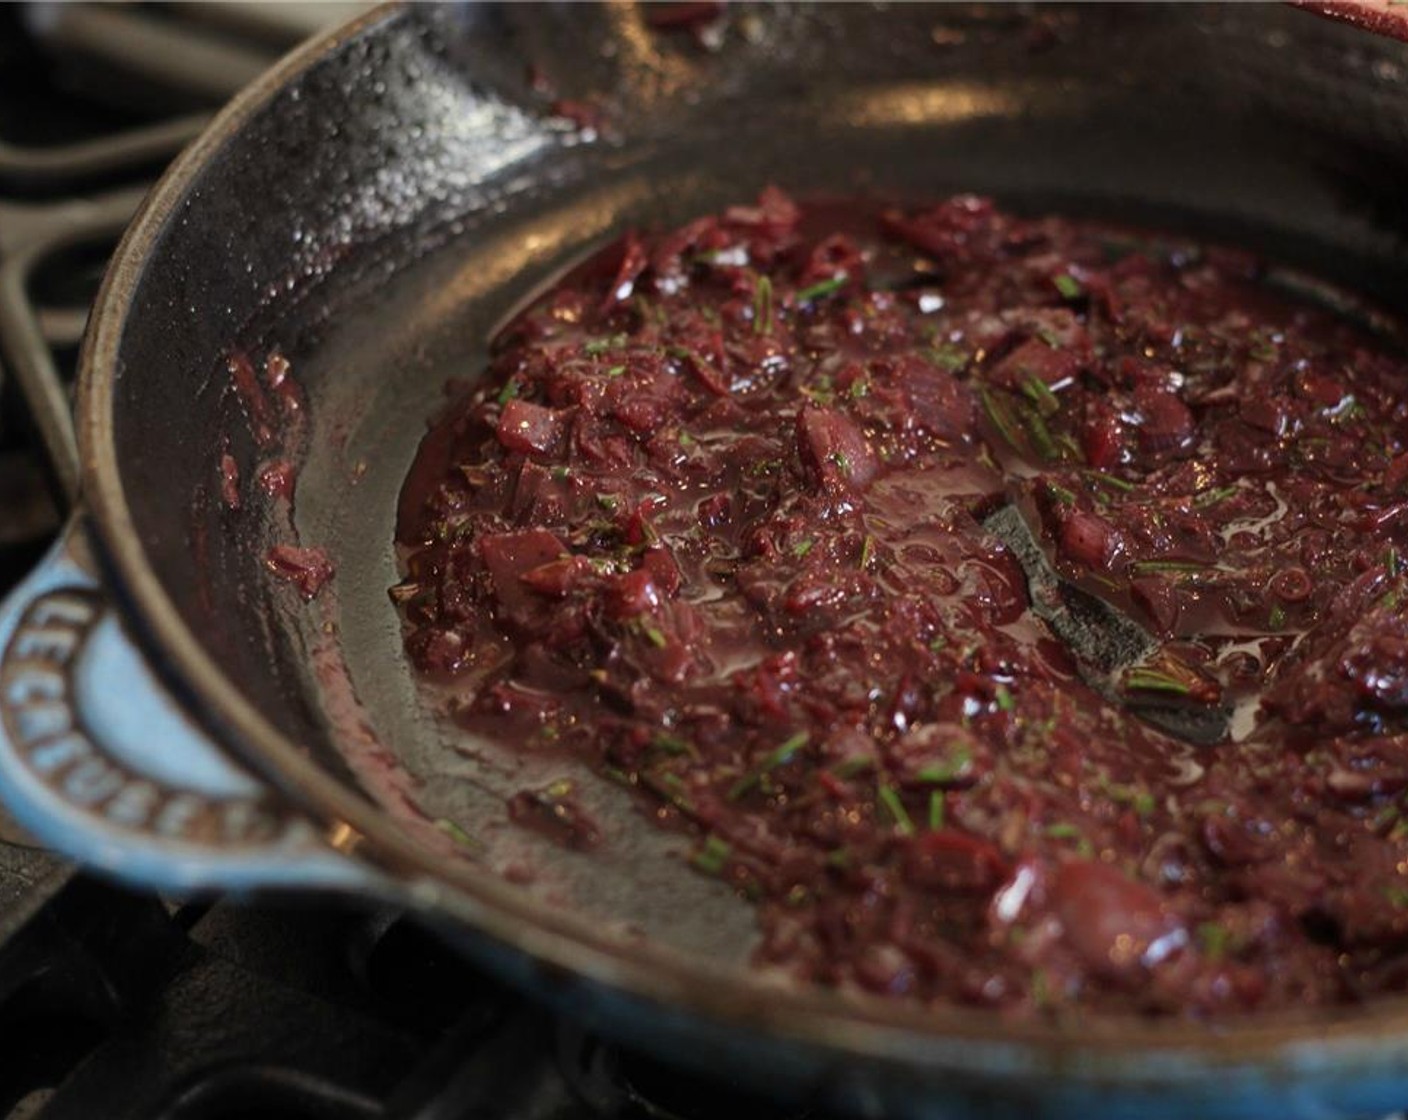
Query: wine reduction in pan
[[713, 520]]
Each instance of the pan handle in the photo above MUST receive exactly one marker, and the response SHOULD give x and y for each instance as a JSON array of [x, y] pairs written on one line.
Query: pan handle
[[99, 762]]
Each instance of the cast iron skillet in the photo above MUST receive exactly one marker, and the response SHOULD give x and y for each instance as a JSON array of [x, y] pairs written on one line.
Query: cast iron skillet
[[371, 208]]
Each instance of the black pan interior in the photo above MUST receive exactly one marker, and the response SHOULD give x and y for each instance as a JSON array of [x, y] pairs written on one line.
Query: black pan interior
[[378, 216]]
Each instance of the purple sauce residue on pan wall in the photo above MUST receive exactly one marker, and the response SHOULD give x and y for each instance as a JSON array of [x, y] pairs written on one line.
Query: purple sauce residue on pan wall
[[275, 411]]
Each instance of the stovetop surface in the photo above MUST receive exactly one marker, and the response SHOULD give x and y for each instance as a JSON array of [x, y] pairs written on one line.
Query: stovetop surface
[[126, 1006], [120, 1005]]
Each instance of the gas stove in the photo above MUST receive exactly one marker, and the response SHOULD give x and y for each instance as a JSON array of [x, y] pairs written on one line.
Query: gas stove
[[123, 1005]]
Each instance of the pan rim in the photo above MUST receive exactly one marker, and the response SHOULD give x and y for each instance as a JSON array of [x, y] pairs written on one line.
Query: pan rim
[[867, 1027]]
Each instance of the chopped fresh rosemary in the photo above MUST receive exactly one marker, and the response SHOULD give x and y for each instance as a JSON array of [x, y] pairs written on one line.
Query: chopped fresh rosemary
[[781, 755], [895, 807], [1213, 939], [601, 345], [1067, 285], [1111, 481], [655, 634], [1061, 494], [456, 833], [1212, 497], [1041, 435], [509, 391], [1040, 394], [853, 766], [1062, 830], [1018, 417], [867, 552], [948, 356], [673, 788], [946, 771], [671, 744], [785, 752], [762, 306], [802, 547], [1384, 817], [823, 288], [1001, 419], [822, 392], [936, 809], [1004, 699], [712, 856]]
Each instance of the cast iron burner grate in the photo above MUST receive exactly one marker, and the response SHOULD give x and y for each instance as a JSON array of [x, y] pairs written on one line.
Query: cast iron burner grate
[[123, 1006], [113, 1004]]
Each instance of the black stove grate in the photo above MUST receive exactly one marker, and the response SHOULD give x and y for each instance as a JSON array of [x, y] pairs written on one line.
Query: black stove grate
[[126, 1006], [118, 1005]]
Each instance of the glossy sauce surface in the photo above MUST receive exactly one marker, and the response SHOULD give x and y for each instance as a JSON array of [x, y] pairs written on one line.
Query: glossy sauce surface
[[713, 521]]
